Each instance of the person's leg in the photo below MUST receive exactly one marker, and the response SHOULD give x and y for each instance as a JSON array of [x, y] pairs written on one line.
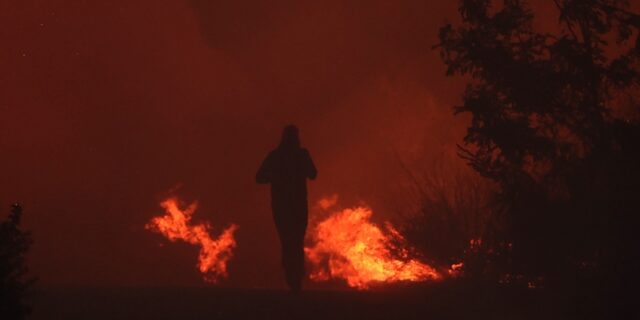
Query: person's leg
[[298, 260], [297, 265], [289, 261], [291, 228], [293, 257], [288, 251]]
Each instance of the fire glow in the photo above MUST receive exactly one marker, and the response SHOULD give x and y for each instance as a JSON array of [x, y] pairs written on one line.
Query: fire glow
[[348, 246], [176, 225]]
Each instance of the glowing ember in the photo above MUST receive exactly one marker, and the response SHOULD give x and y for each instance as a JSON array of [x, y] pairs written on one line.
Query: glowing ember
[[455, 269], [176, 225], [348, 246]]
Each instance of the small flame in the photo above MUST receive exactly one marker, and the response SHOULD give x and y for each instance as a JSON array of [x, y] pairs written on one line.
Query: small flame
[[455, 269], [328, 202], [349, 246], [176, 225]]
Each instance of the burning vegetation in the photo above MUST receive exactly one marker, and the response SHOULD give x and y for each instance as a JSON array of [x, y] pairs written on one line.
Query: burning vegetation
[[176, 225], [344, 245], [347, 245]]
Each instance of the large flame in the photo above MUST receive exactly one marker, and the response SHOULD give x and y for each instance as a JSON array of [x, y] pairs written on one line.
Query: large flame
[[176, 225], [347, 245]]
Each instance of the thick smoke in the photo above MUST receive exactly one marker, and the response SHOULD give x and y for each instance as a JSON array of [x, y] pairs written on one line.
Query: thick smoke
[[105, 106]]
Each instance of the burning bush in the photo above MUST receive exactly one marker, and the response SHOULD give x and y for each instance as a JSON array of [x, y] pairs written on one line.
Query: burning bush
[[347, 245], [453, 221], [214, 253]]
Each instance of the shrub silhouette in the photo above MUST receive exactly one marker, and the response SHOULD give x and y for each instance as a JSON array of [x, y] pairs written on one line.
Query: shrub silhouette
[[551, 127], [14, 281]]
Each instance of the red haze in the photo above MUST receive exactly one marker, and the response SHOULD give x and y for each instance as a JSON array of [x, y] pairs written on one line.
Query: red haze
[[107, 105]]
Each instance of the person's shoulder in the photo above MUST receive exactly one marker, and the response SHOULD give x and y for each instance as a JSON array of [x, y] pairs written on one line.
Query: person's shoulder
[[272, 153], [276, 150]]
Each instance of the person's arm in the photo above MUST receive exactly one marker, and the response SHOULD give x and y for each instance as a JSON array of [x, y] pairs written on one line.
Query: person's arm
[[310, 169], [265, 173]]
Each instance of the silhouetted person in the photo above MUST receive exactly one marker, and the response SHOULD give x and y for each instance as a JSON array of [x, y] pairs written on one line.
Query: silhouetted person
[[287, 169]]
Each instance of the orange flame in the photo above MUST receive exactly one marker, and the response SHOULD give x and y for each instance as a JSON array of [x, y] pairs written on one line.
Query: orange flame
[[214, 254], [455, 269], [348, 246]]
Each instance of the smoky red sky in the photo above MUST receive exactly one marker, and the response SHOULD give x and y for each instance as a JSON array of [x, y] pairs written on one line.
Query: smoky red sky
[[107, 105]]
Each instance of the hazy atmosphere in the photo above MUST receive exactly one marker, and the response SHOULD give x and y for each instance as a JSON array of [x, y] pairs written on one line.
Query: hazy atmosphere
[[338, 159], [106, 107]]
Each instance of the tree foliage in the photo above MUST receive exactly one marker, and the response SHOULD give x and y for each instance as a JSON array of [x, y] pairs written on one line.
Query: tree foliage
[[14, 280], [546, 126]]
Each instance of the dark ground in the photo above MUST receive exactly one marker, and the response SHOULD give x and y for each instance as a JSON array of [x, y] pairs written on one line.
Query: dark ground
[[433, 302]]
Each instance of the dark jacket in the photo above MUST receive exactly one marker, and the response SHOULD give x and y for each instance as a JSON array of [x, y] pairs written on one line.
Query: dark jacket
[[287, 169]]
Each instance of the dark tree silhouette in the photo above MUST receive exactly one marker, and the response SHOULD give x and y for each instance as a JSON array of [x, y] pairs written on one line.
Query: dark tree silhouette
[[551, 127], [14, 281]]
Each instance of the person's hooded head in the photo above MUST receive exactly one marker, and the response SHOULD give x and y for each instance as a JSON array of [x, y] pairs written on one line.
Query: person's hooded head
[[290, 138]]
